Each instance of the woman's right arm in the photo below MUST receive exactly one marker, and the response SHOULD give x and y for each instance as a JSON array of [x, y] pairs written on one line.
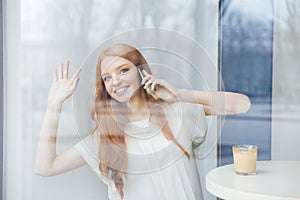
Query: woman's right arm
[[48, 163]]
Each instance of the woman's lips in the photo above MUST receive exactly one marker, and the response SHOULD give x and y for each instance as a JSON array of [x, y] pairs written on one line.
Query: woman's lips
[[121, 90]]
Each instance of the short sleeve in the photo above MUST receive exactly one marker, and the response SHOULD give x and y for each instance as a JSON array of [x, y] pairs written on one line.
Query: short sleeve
[[88, 148], [189, 118], [195, 123]]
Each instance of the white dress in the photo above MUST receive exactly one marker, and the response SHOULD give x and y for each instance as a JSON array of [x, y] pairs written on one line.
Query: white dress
[[157, 168]]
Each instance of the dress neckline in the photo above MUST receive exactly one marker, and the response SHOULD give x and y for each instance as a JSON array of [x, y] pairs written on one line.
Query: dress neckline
[[141, 123]]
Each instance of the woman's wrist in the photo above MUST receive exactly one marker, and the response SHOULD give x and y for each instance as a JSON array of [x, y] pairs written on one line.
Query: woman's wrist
[[55, 104], [181, 95]]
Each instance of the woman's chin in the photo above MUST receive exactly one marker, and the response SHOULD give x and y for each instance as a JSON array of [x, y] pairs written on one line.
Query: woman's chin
[[126, 97], [123, 98]]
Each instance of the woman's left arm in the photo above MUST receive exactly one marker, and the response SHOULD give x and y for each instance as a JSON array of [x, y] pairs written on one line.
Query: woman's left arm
[[216, 103]]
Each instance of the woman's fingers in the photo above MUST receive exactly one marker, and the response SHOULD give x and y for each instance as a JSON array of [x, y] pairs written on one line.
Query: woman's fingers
[[60, 71], [161, 88], [151, 82], [63, 87], [75, 76], [66, 70], [153, 85], [144, 72], [54, 74], [148, 83], [74, 84], [147, 79]]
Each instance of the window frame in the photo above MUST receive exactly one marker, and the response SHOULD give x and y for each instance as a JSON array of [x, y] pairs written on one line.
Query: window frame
[[1, 98]]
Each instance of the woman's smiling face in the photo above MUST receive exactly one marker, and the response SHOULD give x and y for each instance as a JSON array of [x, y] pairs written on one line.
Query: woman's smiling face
[[120, 77]]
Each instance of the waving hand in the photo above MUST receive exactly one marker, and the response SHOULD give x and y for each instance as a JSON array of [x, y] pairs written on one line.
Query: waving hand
[[62, 87]]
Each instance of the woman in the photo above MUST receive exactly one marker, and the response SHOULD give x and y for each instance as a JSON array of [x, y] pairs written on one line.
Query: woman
[[142, 144]]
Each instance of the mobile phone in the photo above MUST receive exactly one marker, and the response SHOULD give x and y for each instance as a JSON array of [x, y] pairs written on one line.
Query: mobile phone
[[148, 89]]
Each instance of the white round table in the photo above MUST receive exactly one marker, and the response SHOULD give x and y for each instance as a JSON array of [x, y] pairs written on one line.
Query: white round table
[[274, 180]]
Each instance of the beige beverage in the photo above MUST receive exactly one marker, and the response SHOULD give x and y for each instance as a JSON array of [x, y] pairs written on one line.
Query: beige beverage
[[244, 158]]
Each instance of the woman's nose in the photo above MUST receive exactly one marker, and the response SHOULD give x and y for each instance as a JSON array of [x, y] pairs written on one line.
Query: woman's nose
[[115, 79]]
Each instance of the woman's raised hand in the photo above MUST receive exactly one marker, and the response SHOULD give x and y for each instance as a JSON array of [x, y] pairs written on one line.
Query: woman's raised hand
[[162, 89], [62, 87]]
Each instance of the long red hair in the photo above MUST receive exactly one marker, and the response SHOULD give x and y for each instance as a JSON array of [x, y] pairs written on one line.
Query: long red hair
[[112, 145]]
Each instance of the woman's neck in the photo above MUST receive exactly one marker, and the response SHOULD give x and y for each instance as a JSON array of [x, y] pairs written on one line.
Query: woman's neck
[[138, 110]]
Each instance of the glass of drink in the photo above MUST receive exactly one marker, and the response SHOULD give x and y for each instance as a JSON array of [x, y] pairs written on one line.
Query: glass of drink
[[244, 159]]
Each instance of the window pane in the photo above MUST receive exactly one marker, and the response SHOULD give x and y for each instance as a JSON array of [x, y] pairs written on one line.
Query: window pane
[[286, 87], [48, 32], [247, 35]]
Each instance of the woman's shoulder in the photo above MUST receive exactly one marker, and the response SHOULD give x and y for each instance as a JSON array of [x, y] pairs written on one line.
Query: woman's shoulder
[[184, 111], [88, 147]]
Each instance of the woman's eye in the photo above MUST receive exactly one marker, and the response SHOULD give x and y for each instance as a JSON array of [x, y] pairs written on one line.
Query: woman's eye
[[123, 71], [106, 78]]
